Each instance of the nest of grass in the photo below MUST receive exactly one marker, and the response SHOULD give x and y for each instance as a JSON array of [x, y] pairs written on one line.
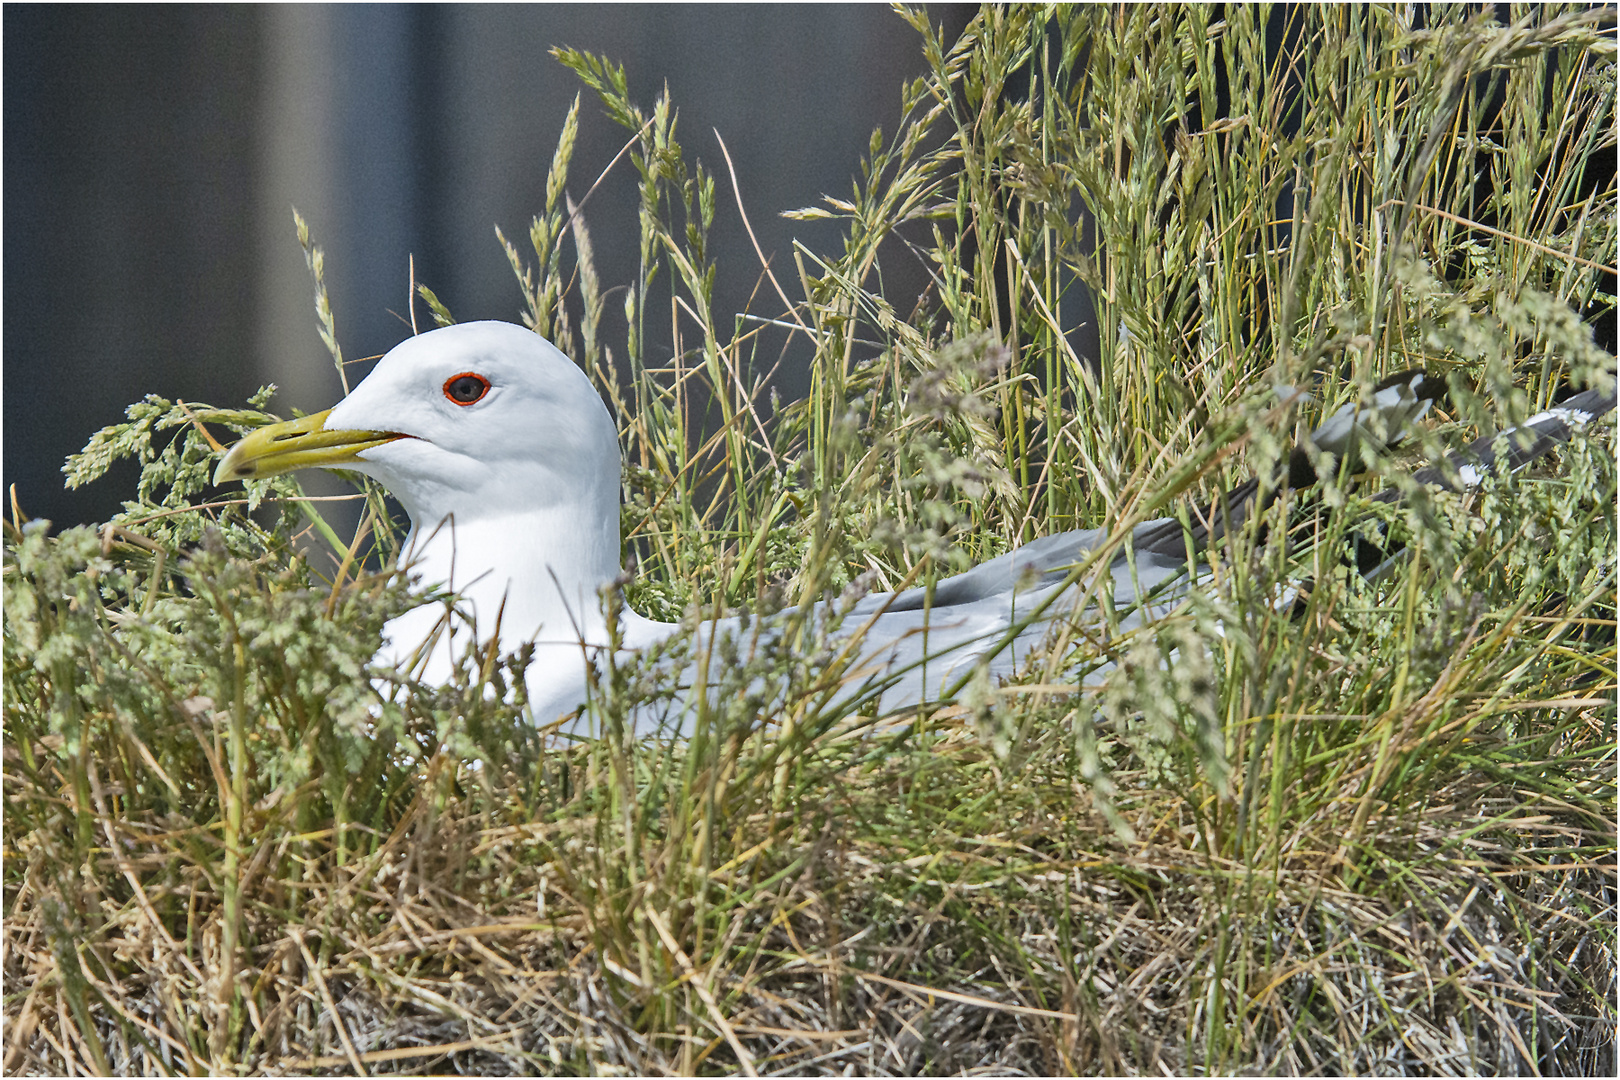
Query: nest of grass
[[1045, 946]]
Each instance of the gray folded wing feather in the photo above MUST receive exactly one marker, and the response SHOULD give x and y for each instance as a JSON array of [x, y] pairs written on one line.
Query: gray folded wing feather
[[892, 651], [888, 652]]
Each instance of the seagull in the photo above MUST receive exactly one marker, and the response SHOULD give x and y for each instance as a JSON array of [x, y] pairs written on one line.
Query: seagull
[[507, 463]]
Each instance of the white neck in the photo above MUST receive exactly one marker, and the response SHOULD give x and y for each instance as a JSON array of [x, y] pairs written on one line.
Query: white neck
[[537, 573]]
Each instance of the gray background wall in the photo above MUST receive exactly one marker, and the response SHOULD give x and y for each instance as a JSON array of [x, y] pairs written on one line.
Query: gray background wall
[[152, 156]]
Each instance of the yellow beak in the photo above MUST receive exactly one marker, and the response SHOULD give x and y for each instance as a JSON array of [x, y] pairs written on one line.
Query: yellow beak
[[296, 444]]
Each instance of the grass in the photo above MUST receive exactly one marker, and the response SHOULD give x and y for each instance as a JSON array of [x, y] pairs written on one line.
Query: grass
[[1375, 837]]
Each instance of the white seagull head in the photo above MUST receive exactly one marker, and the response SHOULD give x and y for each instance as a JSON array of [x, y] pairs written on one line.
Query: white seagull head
[[487, 419], [507, 462]]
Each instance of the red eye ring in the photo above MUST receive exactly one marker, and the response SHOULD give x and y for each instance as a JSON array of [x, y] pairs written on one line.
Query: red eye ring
[[466, 388]]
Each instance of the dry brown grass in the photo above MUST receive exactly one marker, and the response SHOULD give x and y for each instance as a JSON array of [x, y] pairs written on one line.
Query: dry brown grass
[[1047, 946]]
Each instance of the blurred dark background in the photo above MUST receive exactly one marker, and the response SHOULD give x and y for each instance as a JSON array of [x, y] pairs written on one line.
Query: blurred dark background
[[153, 155]]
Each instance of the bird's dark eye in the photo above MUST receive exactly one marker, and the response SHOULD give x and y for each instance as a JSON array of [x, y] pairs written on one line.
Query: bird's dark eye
[[466, 388]]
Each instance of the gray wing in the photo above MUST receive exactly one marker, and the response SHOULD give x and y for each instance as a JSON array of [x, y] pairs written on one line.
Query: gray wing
[[892, 651], [921, 644], [889, 652]]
